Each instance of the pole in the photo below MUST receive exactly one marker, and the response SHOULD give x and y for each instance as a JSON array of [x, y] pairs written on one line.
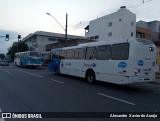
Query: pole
[[62, 26], [66, 30], [17, 47]]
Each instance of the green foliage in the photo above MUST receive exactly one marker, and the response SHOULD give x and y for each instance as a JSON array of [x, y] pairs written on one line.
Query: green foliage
[[2, 56], [17, 47]]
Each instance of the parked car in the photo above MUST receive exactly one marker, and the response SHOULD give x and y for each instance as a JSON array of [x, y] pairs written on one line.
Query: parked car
[[4, 63]]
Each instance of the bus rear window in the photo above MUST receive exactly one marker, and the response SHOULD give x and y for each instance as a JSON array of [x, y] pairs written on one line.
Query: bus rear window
[[120, 51]]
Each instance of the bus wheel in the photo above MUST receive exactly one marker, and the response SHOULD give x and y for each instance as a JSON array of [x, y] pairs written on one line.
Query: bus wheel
[[90, 76], [56, 70]]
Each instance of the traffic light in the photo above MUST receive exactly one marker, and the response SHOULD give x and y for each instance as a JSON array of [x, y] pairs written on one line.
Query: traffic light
[[7, 37], [19, 37]]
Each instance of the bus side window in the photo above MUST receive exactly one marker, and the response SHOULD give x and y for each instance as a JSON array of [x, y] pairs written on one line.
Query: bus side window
[[120, 51], [103, 52], [76, 53], [62, 54], [79, 53], [90, 53], [70, 54]]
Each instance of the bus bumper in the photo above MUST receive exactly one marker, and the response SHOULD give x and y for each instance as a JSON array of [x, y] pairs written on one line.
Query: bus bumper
[[141, 79]]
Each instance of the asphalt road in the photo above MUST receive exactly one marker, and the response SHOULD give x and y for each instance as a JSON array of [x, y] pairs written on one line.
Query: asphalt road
[[36, 90]]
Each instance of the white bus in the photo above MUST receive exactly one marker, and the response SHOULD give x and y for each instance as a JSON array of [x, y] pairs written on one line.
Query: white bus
[[119, 61]]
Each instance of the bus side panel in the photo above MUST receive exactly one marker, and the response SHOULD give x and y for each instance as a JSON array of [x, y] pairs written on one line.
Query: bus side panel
[[69, 66], [23, 62], [108, 71]]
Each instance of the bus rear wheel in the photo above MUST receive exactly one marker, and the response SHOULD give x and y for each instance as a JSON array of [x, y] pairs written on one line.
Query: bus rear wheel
[[90, 76], [56, 70]]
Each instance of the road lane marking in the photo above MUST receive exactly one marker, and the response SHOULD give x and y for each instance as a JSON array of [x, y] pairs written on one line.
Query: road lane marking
[[30, 73], [1, 119], [8, 72], [57, 81], [116, 99], [8, 69]]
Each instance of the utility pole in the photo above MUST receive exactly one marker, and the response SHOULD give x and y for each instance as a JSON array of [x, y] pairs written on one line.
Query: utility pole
[[66, 30], [66, 27]]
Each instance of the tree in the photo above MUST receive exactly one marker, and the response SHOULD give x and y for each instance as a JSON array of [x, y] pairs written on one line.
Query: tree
[[2, 56], [17, 47]]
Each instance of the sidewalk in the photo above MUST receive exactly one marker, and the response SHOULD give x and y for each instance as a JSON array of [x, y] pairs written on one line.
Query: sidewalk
[[157, 80]]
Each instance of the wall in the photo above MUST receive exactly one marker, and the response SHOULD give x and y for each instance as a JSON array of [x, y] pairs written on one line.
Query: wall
[[121, 26], [143, 33]]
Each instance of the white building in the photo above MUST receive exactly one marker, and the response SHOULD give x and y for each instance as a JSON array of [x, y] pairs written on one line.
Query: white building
[[37, 41], [118, 25]]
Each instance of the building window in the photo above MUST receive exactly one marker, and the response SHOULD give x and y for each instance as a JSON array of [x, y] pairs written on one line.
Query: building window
[[51, 39], [110, 34], [91, 38], [110, 24], [60, 40], [132, 23], [97, 37], [132, 34]]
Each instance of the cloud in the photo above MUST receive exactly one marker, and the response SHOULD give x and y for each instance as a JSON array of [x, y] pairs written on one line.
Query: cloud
[[4, 45], [81, 25]]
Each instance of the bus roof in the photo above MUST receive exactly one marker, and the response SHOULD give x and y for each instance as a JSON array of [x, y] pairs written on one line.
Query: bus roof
[[104, 43], [25, 52]]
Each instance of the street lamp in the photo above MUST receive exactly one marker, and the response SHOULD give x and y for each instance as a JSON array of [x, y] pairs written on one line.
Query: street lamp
[[65, 29]]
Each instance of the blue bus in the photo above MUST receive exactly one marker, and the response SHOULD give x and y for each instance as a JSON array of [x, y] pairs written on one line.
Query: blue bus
[[28, 58]]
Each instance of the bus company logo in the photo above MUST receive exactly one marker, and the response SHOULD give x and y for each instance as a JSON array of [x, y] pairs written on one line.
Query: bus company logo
[[62, 65], [89, 65], [140, 62], [122, 64], [93, 65]]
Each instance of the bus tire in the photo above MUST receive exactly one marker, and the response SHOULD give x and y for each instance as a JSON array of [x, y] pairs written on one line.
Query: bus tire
[[90, 76], [56, 71]]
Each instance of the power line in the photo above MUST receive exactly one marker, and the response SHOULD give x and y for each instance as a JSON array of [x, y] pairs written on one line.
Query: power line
[[137, 5], [134, 6]]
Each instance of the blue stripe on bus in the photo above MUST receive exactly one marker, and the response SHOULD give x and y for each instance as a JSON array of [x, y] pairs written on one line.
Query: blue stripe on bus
[[53, 64]]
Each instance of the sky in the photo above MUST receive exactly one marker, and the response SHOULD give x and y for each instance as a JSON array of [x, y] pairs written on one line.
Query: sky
[[22, 17]]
